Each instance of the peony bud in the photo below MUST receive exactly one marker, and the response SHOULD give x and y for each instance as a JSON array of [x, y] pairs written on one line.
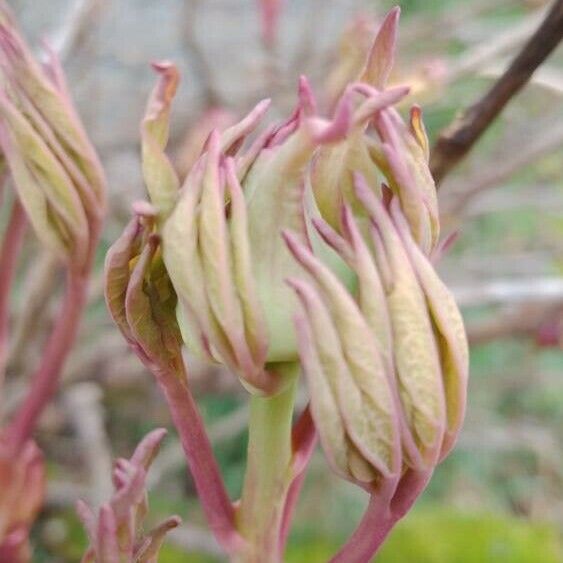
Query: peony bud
[[365, 53], [351, 396], [139, 294], [402, 154], [334, 166], [215, 117], [221, 243], [448, 328], [55, 169], [115, 533], [400, 329], [397, 153], [415, 351], [22, 482]]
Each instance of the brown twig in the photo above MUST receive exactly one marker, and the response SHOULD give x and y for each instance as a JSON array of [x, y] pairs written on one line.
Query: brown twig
[[457, 139]]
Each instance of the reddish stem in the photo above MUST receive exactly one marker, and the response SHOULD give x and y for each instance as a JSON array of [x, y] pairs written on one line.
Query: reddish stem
[[201, 460], [44, 382], [11, 247], [380, 517], [304, 438]]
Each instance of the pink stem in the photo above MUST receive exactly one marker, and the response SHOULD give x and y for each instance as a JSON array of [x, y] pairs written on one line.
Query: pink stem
[[304, 439], [201, 461], [44, 382], [380, 517], [11, 247]]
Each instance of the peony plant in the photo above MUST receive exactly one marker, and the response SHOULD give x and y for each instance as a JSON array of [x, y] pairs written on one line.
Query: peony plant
[[305, 249], [60, 191]]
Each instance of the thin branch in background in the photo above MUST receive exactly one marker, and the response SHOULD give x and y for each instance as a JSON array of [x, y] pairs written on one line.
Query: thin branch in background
[[203, 69], [64, 493], [76, 24], [45, 378], [475, 58], [550, 201], [548, 78], [458, 138], [306, 46], [83, 402], [444, 25], [88, 361], [529, 320], [510, 292], [548, 140], [37, 288]]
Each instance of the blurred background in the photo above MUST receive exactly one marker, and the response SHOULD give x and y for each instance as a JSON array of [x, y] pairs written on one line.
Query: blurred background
[[499, 496]]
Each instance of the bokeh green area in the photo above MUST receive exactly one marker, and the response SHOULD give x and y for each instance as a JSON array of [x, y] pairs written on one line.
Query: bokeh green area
[[437, 536]]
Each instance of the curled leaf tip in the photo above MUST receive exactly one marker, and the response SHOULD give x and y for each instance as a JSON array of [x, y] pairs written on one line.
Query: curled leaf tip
[[307, 99], [143, 208], [168, 84], [418, 130], [164, 66]]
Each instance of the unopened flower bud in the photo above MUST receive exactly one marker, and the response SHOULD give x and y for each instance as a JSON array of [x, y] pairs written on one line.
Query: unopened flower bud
[[396, 154], [139, 294], [400, 329], [365, 54], [22, 482], [222, 246], [55, 169], [415, 352], [334, 166], [448, 328], [115, 532], [402, 153], [352, 398]]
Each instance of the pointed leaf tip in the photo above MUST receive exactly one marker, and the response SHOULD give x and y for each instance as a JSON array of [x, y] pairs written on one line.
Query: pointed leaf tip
[[382, 54], [169, 78], [307, 99]]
